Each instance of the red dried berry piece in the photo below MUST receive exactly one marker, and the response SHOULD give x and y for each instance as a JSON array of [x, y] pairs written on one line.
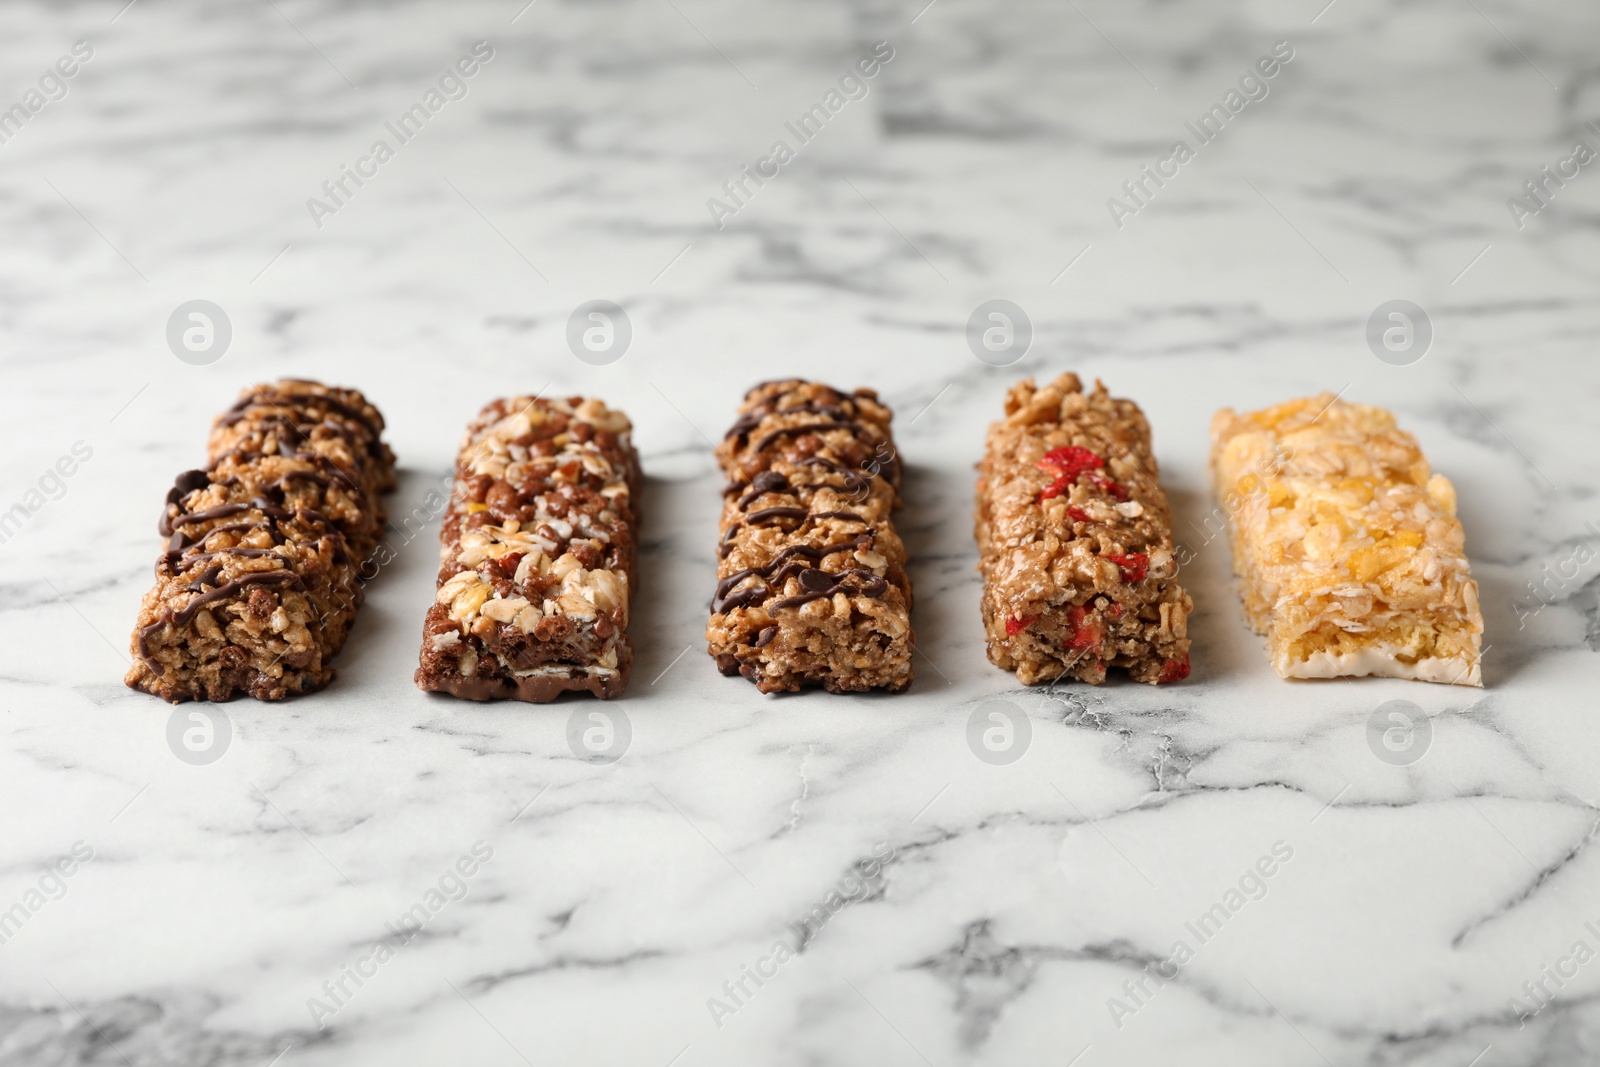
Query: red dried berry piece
[[1085, 634], [1078, 515], [1016, 625], [1135, 565], [1175, 670], [1072, 461], [1108, 485], [1069, 462], [1055, 488]]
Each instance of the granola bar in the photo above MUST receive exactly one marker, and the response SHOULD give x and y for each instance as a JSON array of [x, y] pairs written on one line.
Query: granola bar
[[537, 556], [1351, 557], [812, 586], [1075, 541], [258, 582]]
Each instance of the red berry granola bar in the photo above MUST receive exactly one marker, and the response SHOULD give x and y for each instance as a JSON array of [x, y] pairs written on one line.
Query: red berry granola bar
[[1075, 541]]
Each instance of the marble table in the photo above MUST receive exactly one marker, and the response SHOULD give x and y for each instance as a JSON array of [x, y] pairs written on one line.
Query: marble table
[[374, 876]]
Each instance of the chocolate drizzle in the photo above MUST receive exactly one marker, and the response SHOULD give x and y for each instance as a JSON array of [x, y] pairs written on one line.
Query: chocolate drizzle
[[187, 483], [756, 518], [302, 401], [178, 562], [209, 578], [853, 481], [810, 427], [179, 541], [185, 615], [761, 484], [171, 522], [868, 585], [743, 425], [303, 476], [778, 571]]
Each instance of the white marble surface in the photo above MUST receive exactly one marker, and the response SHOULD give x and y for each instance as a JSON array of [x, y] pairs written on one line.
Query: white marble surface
[[1006, 906]]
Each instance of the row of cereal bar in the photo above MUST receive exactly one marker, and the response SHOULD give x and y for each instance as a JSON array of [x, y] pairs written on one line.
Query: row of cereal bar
[[1349, 553]]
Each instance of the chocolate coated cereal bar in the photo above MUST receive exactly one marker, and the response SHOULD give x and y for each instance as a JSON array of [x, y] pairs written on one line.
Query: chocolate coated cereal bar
[[537, 554], [1075, 541], [1349, 548], [812, 586], [258, 584]]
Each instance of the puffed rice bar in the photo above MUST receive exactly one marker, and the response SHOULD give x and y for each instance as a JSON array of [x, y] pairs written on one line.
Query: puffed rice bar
[[1348, 548]]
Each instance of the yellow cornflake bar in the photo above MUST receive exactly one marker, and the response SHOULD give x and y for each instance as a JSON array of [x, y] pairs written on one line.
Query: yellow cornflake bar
[[1348, 547]]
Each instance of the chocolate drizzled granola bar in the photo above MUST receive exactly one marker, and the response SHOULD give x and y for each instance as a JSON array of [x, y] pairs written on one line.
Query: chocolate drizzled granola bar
[[1352, 559], [1075, 541], [812, 586], [537, 555], [258, 584]]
